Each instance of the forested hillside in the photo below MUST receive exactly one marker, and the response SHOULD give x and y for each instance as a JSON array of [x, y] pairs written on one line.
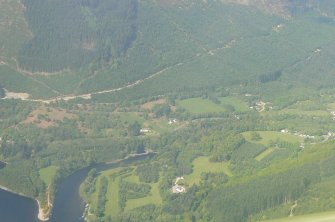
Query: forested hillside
[[92, 46], [72, 34], [234, 99]]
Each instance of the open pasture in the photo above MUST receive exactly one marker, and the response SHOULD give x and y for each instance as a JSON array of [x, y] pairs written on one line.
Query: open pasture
[[268, 136], [202, 165], [202, 106]]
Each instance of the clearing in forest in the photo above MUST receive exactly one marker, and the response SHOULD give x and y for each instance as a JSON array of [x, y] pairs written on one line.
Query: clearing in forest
[[202, 106], [203, 165], [47, 174], [45, 117], [153, 197], [272, 136], [151, 104]]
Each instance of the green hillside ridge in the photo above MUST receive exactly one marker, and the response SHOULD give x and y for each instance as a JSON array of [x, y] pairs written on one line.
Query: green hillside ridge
[[177, 44], [234, 98], [72, 34]]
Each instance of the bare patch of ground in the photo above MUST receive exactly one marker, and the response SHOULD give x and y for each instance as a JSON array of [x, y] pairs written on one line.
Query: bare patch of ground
[[45, 117], [16, 95], [151, 104]]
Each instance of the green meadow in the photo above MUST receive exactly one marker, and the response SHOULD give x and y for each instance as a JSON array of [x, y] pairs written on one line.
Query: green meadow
[[200, 106], [153, 198], [269, 136], [112, 207], [47, 174], [238, 104], [203, 106], [202, 165]]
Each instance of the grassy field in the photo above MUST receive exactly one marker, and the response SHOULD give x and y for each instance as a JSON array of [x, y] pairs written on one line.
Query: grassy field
[[299, 112], [264, 154], [162, 125], [238, 104], [320, 217], [202, 165], [201, 106], [267, 136], [112, 195], [129, 117], [132, 178], [153, 198], [112, 204], [331, 105], [47, 174]]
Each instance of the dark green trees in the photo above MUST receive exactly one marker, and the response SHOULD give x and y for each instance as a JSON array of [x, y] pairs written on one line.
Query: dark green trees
[[2, 92], [71, 34], [134, 129]]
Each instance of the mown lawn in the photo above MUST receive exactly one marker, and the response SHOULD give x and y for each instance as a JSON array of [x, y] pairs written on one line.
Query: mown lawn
[[112, 195], [112, 204], [200, 106], [153, 198], [202, 165]]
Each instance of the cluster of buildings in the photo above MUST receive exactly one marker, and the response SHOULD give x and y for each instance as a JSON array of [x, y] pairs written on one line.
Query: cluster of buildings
[[305, 136], [172, 121]]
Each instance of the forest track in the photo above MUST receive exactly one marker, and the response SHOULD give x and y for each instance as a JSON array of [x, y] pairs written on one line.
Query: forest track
[[88, 96]]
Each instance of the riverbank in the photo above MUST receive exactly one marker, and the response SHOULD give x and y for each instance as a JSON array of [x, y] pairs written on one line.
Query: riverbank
[[41, 215]]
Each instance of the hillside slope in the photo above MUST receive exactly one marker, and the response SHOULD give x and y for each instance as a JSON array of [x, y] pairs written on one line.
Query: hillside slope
[[94, 46]]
